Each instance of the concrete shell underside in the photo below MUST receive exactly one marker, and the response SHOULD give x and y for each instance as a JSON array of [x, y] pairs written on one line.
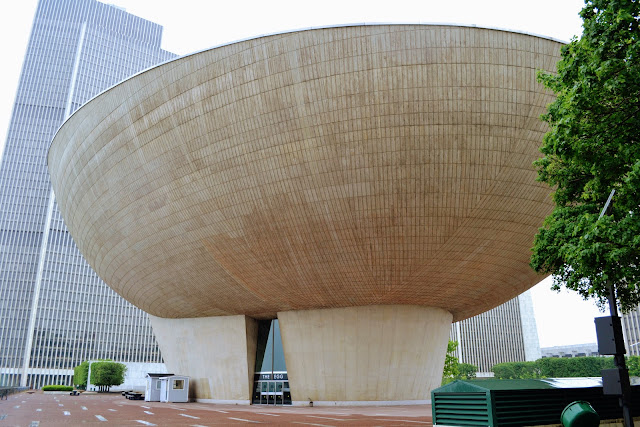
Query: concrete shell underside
[[337, 167]]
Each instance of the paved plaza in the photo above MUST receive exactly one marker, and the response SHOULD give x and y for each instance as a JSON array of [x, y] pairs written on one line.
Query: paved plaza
[[39, 410]]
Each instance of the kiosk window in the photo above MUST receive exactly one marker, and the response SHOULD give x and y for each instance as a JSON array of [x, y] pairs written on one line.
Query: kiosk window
[[178, 384]]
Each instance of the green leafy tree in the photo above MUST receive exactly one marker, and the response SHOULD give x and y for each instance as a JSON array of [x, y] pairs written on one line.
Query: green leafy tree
[[81, 375], [106, 374], [451, 370], [593, 147], [633, 364]]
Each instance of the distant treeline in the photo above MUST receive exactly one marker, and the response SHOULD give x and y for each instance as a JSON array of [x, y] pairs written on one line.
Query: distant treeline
[[562, 367]]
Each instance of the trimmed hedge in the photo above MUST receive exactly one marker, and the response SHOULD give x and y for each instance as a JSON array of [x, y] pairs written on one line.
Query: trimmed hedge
[[467, 371], [561, 367], [57, 388], [517, 370]]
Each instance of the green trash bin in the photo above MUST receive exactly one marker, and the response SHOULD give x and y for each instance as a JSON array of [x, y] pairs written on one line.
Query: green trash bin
[[579, 414]]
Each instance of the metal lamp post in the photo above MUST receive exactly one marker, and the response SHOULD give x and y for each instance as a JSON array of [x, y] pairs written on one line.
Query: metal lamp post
[[610, 341]]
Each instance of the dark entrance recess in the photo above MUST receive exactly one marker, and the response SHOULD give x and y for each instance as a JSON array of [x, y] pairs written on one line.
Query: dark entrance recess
[[270, 381]]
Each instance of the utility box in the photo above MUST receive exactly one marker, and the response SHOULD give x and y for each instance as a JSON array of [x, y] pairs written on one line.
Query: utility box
[[615, 381], [605, 327]]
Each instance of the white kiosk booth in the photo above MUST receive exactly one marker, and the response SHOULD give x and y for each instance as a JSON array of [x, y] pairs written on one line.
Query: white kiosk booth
[[174, 388], [152, 391]]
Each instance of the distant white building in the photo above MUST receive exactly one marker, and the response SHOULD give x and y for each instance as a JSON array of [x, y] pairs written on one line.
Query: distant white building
[[575, 350]]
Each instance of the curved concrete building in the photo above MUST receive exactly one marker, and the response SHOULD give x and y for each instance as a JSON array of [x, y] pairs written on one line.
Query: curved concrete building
[[365, 185]]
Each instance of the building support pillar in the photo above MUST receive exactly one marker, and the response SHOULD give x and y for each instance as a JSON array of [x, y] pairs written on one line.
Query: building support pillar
[[388, 354], [218, 353]]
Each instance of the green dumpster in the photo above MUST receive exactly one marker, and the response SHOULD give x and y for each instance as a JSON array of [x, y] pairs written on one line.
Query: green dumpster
[[579, 414]]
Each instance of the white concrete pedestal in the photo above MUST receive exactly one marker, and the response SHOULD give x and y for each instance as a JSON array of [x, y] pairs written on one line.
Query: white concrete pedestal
[[218, 353], [390, 354]]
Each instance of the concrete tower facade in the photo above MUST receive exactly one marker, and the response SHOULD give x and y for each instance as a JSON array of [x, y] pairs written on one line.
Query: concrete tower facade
[[507, 333], [54, 310], [631, 329]]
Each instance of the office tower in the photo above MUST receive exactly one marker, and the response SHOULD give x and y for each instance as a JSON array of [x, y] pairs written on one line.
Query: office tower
[[54, 310], [631, 329], [506, 333]]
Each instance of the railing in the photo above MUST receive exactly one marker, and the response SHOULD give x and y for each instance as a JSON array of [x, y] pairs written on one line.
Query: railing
[[6, 391]]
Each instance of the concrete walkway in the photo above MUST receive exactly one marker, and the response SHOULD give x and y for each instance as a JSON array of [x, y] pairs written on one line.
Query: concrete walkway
[[37, 409]]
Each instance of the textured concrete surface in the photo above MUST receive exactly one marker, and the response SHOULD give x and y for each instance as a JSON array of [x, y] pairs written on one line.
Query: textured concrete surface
[[218, 353], [367, 354], [349, 166]]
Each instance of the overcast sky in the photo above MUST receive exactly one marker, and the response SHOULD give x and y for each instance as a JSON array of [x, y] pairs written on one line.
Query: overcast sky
[[192, 25]]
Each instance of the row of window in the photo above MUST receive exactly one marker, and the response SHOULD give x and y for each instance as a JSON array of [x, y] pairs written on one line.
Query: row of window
[[76, 316]]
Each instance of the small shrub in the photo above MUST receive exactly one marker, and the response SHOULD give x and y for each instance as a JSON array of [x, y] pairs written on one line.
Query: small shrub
[[80, 375], [57, 388], [467, 371]]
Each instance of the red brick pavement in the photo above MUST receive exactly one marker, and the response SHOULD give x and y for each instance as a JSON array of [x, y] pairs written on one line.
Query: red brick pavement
[[40, 410]]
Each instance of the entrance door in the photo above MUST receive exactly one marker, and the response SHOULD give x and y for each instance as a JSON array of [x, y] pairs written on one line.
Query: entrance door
[[264, 393], [272, 393], [278, 394]]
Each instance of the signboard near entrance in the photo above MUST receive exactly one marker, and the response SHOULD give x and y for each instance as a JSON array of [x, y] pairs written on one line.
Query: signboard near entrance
[[274, 376]]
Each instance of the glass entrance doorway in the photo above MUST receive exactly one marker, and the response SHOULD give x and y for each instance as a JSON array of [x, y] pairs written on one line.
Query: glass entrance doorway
[[272, 393], [271, 382]]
